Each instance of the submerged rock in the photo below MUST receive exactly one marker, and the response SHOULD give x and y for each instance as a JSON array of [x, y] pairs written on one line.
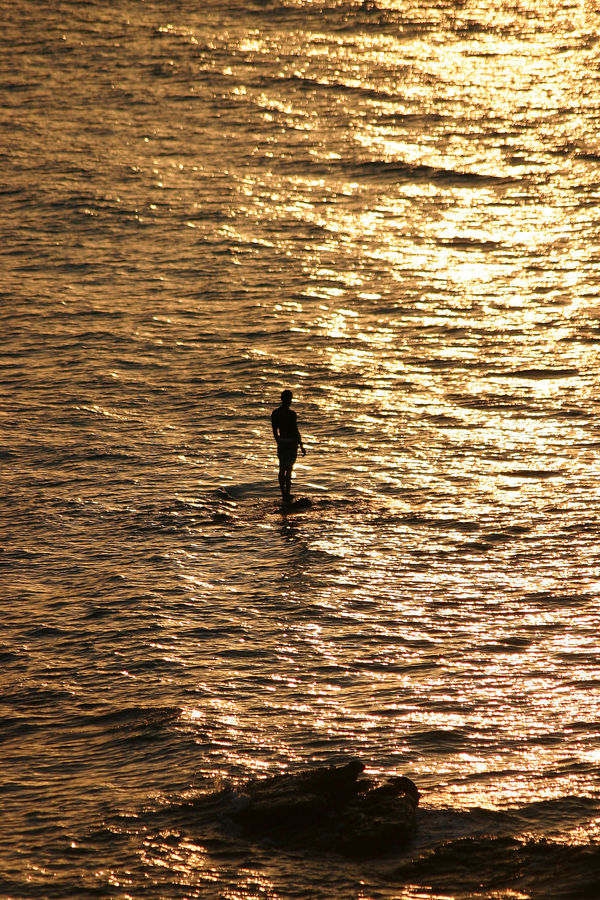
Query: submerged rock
[[332, 808], [297, 504]]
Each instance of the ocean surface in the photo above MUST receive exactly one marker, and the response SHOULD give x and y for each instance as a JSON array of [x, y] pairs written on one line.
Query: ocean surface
[[393, 209]]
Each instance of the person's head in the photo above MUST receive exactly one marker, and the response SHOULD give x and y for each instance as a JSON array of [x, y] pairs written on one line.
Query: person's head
[[286, 398]]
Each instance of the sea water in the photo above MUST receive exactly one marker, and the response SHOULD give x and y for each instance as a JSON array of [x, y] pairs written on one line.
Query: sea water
[[391, 208]]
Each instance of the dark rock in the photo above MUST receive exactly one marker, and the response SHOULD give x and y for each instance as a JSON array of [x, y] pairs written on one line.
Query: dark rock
[[331, 808], [296, 505]]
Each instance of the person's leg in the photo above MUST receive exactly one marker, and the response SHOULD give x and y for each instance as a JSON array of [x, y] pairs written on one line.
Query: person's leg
[[288, 481], [286, 464], [282, 478]]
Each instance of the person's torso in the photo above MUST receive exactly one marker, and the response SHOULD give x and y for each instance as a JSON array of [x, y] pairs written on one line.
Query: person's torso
[[285, 421]]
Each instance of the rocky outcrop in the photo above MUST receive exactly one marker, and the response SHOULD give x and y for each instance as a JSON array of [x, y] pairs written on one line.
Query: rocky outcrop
[[331, 808]]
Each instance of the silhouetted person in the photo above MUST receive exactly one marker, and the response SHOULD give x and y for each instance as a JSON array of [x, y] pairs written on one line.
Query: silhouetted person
[[285, 432]]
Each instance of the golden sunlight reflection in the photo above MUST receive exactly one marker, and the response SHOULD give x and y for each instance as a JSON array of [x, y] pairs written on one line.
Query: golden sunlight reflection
[[189, 859], [252, 883], [393, 262], [390, 208]]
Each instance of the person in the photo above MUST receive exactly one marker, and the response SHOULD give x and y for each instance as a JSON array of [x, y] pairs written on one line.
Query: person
[[287, 436]]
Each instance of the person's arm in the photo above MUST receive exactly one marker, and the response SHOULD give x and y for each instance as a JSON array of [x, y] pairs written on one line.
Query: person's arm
[[274, 426], [299, 439]]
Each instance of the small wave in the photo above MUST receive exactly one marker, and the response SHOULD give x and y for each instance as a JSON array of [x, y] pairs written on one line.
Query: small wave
[[340, 16], [541, 373], [494, 866], [467, 243], [133, 717], [12, 727], [402, 172], [533, 473], [444, 524], [98, 612], [587, 684], [552, 598], [33, 695], [444, 421], [560, 815], [334, 502], [588, 157], [490, 401], [439, 740], [178, 517], [246, 489], [46, 631], [22, 553], [475, 547], [571, 149], [340, 87], [508, 645], [222, 519]]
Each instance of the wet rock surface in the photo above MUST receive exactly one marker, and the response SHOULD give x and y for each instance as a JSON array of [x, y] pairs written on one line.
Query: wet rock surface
[[332, 808]]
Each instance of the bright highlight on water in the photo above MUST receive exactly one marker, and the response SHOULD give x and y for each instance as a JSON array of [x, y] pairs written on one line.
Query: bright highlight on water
[[390, 209]]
